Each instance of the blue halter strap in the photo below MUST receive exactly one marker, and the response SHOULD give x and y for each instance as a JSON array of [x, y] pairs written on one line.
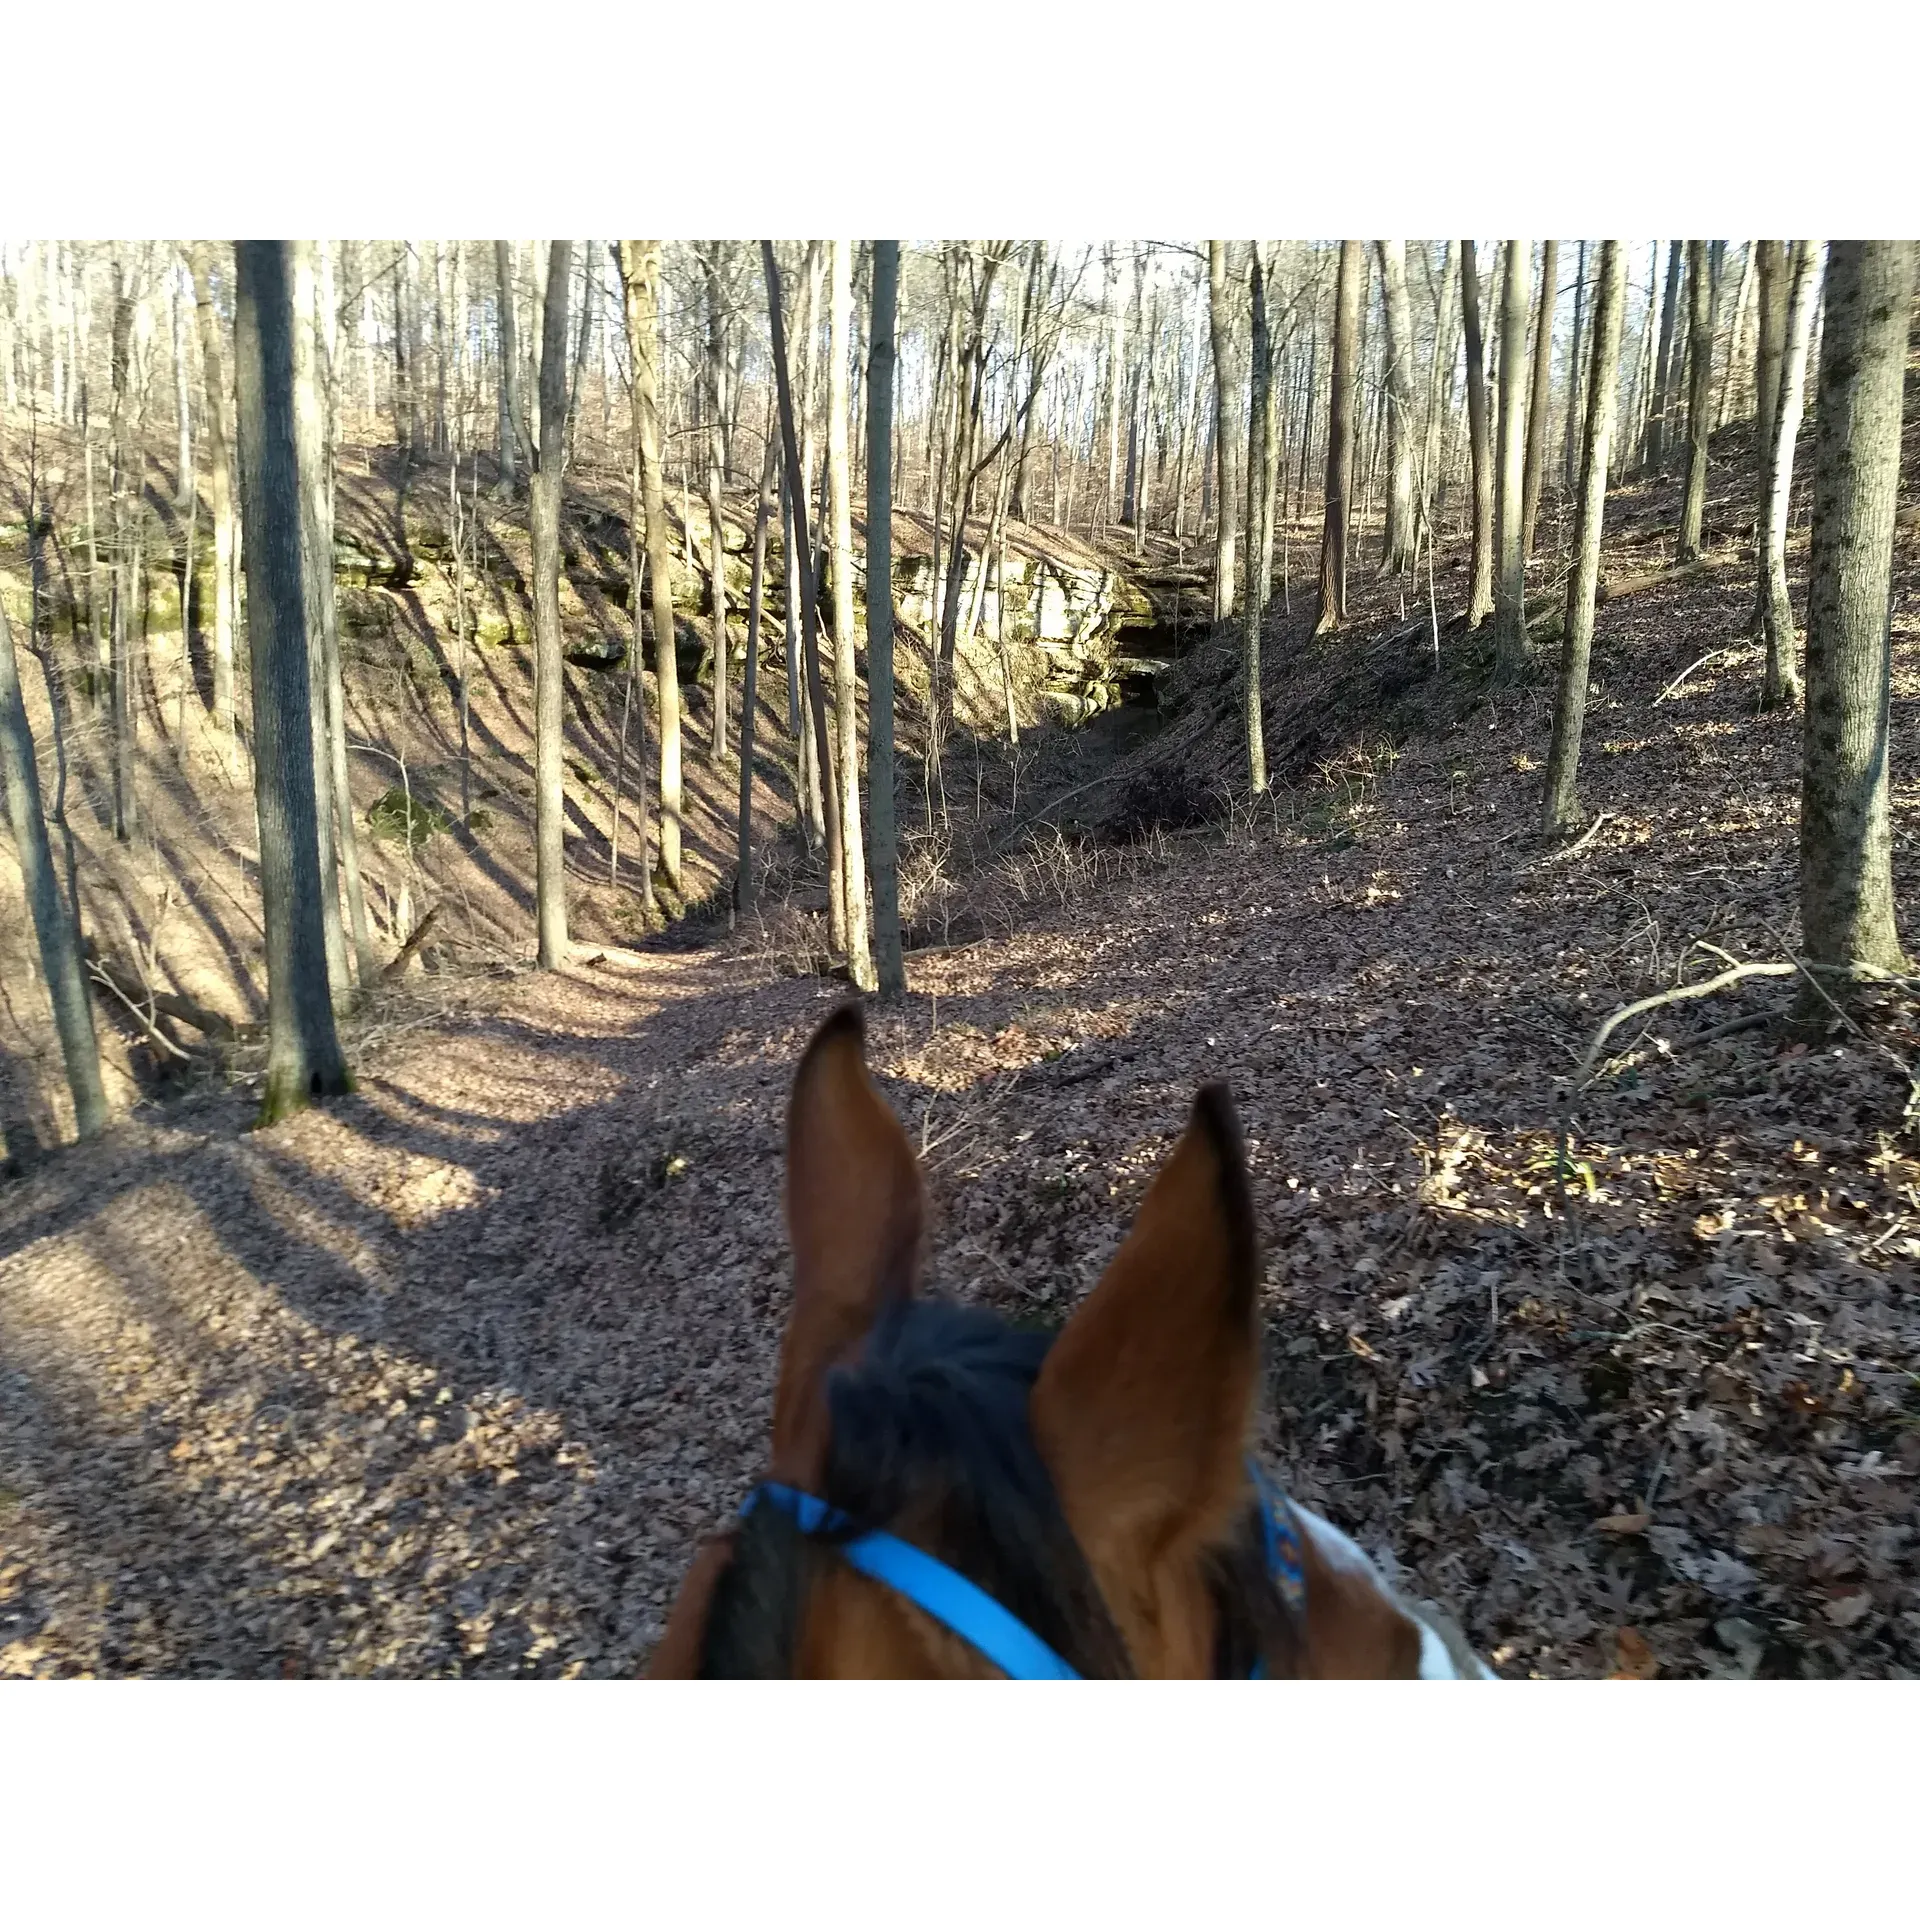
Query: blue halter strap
[[976, 1617]]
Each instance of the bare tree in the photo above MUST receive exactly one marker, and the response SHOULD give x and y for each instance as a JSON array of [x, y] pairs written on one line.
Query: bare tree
[[1801, 273], [549, 663], [890, 964], [1562, 810], [1541, 403], [304, 1062], [846, 687], [1846, 843], [716, 372], [1664, 368], [512, 429], [1510, 583], [1259, 452], [803, 554], [640, 274], [53, 923], [1699, 396], [1349, 296], [1220, 313], [1480, 587], [750, 686], [1397, 555]]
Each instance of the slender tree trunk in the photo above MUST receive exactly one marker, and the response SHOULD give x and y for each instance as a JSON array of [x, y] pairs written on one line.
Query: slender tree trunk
[[640, 270], [716, 473], [1570, 703], [1570, 440], [1699, 396], [846, 689], [1542, 401], [1258, 425], [316, 579], [889, 961], [1397, 556], [304, 1062], [1480, 587], [1770, 264], [1350, 295], [549, 664], [1736, 338], [1510, 586], [183, 489], [1221, 323], [125, 509], [53, 923], [1801, 273], [1846, 847], [809, 609], [750, 688], [511, 429], [1663, 377]]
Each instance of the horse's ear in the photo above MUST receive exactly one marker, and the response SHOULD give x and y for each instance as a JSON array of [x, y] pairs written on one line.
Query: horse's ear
[[1143, 1407], [856, 1215]]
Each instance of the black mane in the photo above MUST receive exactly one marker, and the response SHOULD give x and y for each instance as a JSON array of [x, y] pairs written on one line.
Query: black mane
[[930, 1436]]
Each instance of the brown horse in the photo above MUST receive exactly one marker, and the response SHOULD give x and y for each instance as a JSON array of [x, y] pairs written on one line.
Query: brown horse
[[953, 1497]]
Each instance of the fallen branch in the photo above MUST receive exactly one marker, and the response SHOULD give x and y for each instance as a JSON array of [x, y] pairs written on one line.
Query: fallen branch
[[1741, 970], [153, 1033], [398, 964], [174, 1005], [1719, 653]]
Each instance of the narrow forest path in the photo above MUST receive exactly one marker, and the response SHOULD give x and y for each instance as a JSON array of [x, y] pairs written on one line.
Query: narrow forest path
[[448, 1377]]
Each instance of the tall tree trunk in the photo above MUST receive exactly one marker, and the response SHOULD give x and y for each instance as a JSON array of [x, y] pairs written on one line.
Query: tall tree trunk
[[1570, 440], [125, 505], [1801, 274], [716, 473], [1699, 396], [1736, 338], [640, 270], [846, 684], [549, 664], [1542, 401], [750, 686], [1433, 447], [1663, 378], [1510, 580], [316, 579], [52, 917], [512, 431], [183, 489], [889, 962], [1258, 424], [1349, 297], [1770, 264], [304, 1062], [1563, 809], [1480, 586], [802, 540], [1220, 316], [1846, 849], [1397, 556]]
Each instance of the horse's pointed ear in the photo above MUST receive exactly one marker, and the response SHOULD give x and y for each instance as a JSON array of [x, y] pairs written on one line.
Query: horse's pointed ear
[[856, 1216], [1144, 1406]]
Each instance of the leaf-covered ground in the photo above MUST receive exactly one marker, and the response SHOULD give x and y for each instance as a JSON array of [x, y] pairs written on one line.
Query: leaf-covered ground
[[448, 1378]]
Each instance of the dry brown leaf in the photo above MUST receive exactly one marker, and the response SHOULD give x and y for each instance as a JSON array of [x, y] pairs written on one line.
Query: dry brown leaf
[[1622, 1523], [1633, 1659]]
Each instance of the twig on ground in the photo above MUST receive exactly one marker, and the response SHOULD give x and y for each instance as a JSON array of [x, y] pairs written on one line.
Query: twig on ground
[[1719, 653]]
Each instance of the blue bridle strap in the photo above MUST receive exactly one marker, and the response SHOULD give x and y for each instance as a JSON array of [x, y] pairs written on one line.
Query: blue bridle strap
[[933, 1587], [976, 1617]]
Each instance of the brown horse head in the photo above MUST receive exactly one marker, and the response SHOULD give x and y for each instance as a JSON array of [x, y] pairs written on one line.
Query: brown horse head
[[1093, 1485]]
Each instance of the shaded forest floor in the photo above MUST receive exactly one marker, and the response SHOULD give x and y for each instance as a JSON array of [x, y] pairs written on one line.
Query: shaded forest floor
[[448, 1377]]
